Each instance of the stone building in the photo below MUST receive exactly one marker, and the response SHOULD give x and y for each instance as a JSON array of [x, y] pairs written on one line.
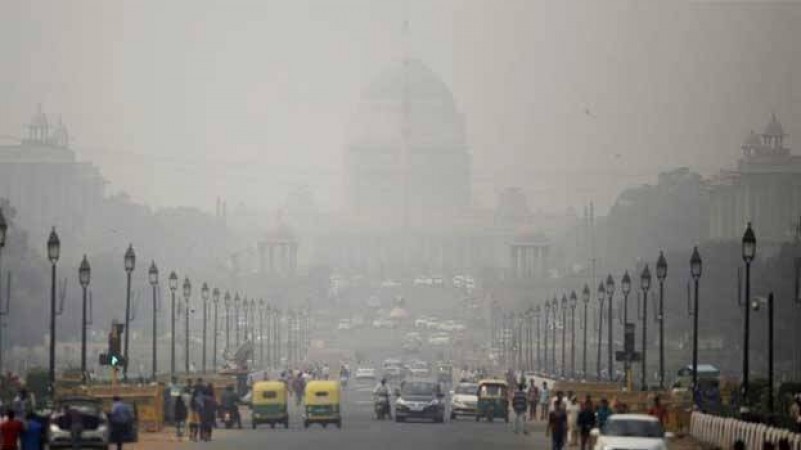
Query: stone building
[[765, 189]]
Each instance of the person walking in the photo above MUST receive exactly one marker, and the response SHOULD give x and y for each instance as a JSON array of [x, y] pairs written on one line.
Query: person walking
[[585, 423], [603, 413], [519, 406], [795, 412], [557, 425], [32, 436], [179, 417], [658, 411], [11, 431], [207, 417], [533, 400], [545, 396], [572, 411], [121, 418], [194, 417]]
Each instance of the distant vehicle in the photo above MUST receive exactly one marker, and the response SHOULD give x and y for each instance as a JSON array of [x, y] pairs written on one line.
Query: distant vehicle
[[437, 281], [390, 284], [95, 423], [423, 281], [439, 339], [631, 432], [464, 400], [344, 324], [393, 368], [419, 369], [420, 400], [365, 373], [383, 323]]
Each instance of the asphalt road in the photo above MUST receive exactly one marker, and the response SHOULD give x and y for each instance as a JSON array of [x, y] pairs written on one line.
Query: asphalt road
[[361, 431]]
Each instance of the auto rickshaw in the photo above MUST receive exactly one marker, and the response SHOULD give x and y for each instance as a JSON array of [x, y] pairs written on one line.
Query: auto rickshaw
[[268, 404], [493, 400], [322, 403]]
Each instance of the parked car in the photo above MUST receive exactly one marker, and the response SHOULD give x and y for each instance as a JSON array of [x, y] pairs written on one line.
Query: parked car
[[631, 432], [95, 423]]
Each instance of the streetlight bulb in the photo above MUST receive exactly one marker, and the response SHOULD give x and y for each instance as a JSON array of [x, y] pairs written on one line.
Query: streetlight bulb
[[204, 292], [601, 292], [130, 258], [625, 283], [153, 273], [53, 246], [187, 288], [586, 293], [173, 281], [573, 299], [610, 285], [645, 279], [3, 229], [215, 295], [661, 267], [749, 244], [695, 264], [84, 272]]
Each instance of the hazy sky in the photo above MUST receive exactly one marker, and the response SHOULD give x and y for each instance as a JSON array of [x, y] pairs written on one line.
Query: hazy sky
[[181, 101]]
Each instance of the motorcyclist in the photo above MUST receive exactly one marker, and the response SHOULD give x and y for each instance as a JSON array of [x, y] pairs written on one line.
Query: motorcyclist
[[381, 393], [229, 402]]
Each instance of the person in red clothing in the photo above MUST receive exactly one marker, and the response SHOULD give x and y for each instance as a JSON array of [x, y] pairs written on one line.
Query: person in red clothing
[[658, 411], [11, 430]]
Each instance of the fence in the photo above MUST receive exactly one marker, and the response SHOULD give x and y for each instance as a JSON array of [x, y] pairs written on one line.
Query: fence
[[722, 432]]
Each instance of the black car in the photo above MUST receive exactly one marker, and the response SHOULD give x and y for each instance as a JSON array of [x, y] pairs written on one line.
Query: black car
[[420, 400]]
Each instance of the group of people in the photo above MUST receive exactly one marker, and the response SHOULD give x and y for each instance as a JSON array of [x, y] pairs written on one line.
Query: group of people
[[197, 404]]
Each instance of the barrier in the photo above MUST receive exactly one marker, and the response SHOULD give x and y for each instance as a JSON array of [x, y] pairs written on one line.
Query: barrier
[[147, 400], [723, 432]]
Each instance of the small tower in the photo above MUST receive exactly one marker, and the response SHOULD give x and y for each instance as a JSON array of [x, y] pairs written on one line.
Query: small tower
[[773, 136], [39, 127]]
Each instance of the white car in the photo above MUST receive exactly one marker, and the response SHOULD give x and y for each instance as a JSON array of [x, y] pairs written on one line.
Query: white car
[[464, 400], [631, 432], [439, 339], [365, 373], [344, 324]]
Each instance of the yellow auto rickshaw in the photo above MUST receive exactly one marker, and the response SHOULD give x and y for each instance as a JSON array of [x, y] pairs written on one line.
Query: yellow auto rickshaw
[[493, 400], [322, 403], [268, 404]]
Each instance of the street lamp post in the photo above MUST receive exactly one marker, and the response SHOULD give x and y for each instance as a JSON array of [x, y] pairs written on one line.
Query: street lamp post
[[236, 318], [130, 262], [573, 302], [215, 297], [554, 311], [645, 284], [539, 346], [610, 292], [749, 251], [586, 297], [268, 333], [661, 274], [153, 277], [173, 281], [3, 231], [547, 317], [187, 293], [601, 298], [227, 321], [261, 332], [204, 295], [564, 331], [695, 271], [625, 288], [53, 252], [84, 273], [755, 305]]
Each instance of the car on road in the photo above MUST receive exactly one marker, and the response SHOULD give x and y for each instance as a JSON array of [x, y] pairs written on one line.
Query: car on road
[[420, 400], [418, 369], [95, 423], [365, 373], [344, 324], [464, 400], [631, 432], [439, 339]]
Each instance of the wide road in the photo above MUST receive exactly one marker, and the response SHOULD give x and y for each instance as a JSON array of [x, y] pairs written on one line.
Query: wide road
[[361, 431]]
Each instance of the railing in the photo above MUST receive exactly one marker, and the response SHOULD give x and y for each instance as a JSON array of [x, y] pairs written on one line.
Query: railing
[[723, 432]]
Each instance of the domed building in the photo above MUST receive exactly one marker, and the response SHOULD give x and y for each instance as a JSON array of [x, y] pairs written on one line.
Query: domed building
[[406, 152]]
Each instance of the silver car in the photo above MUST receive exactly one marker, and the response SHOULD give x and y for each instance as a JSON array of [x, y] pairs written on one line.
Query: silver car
[[95, 426]]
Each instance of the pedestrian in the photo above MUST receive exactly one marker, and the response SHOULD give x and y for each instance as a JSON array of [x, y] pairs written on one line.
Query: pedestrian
[[207, 417], [557, 424], [194, 417], [519, 406], [22, 403], [11, 431], [585, 423], [658, 411], [795, 412], [32, 436], [121, 419], [299, 386], [603, 413], [533, 400], [572, 420], [179, 417], [545, 395]]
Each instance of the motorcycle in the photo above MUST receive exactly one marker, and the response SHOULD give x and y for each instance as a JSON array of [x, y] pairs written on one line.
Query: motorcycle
[[381, 405], [228, 419]]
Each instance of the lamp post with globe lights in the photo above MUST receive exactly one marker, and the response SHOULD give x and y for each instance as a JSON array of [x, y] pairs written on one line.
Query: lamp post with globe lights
[[585, 294], [695, 271], [204, 296], [610, 293], [554, 311], [173, 282], [187, 293], [547, 309], [564, 330], [601, 299], [573, 303], [749, 251], [3, 311], [153, 277], [84, 274], [537, 337], [645, 285], [236, 318], [215, 297], [130, 263], [53, 252], [661, 274], [625, 288], [227, 303]]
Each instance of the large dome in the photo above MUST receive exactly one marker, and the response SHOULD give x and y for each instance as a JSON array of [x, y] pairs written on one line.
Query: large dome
[[413, 80]]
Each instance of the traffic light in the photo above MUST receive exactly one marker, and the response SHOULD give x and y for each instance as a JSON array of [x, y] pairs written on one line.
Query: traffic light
[[114, 356], [116, 360]]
